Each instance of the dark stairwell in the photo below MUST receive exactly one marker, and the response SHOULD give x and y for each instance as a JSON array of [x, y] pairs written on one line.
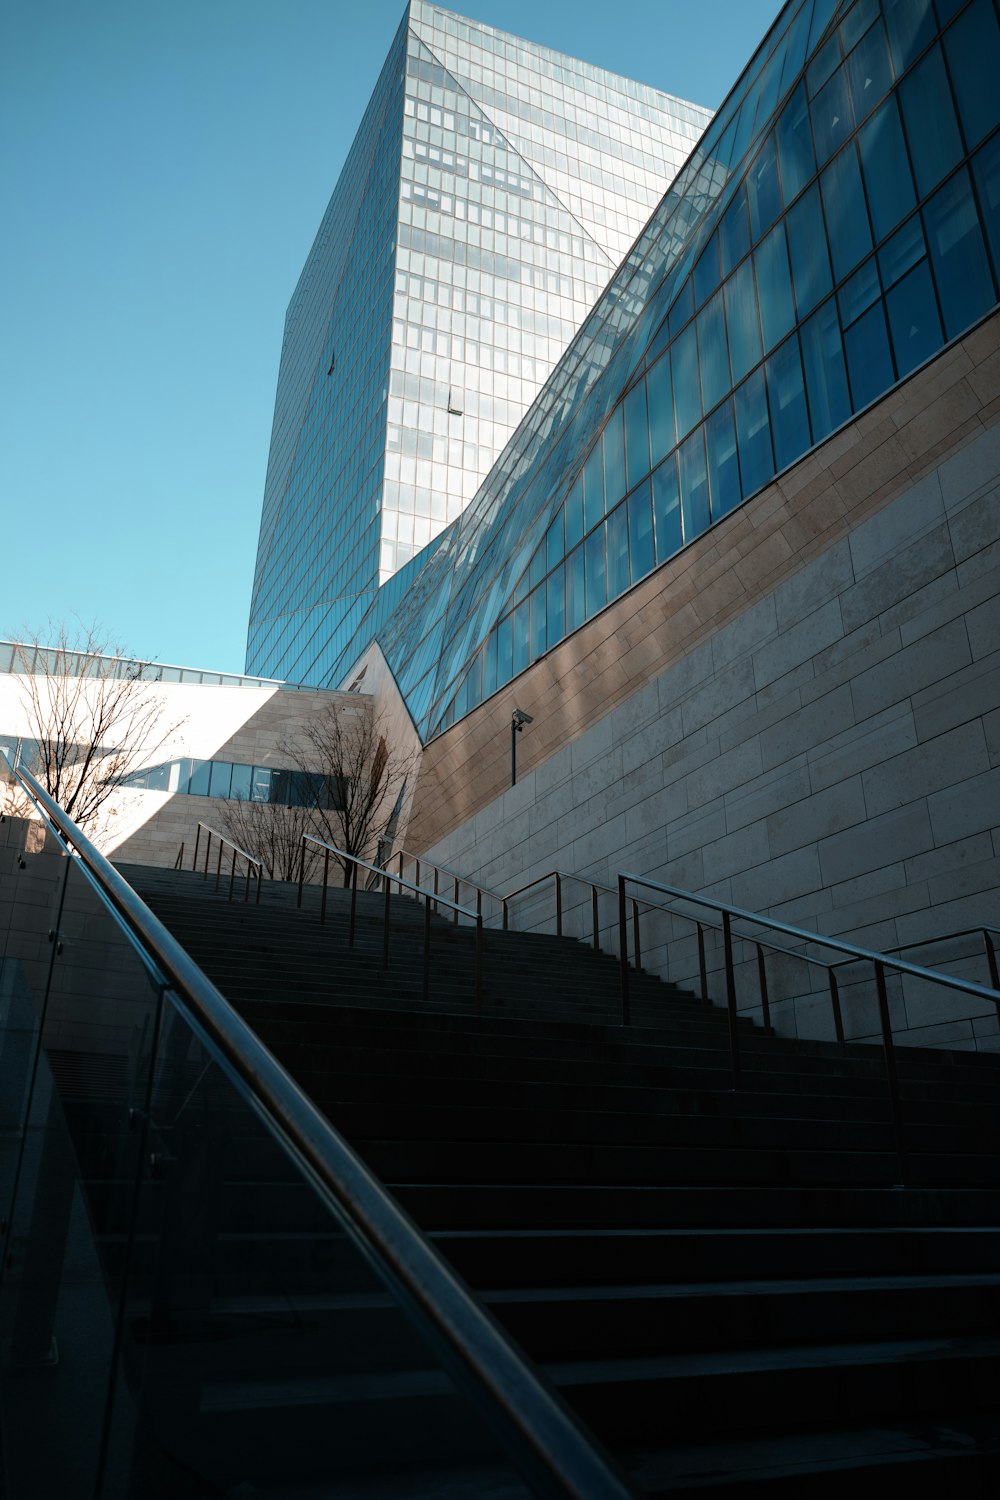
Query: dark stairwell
[[732, 1288]]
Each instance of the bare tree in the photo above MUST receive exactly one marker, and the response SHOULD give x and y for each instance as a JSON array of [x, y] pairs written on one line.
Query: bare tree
[[343, 785], [93, 719]]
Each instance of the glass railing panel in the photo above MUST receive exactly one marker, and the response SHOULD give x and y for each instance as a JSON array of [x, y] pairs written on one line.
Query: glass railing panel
[[79, 1010]]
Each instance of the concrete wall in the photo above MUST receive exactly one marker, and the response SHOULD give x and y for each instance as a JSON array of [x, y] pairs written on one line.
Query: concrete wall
[[829, 752]]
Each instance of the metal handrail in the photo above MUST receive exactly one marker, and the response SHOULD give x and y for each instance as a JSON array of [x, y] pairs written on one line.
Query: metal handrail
[[459, 880], [356, 863], [879, 961], [542, 1437], [225, 842], [595, 886], [986, 931]]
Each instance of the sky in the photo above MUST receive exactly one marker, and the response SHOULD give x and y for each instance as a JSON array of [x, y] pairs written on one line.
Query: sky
[[164, 167]]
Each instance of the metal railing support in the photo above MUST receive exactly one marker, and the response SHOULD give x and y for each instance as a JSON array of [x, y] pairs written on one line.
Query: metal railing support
[[734, 1040], [702, 965], [353, 878], [623, 951], [991, 959], [595, 918], [558, 904], [385, 922], [635, 936], [762, 986], [479, 964], [838, 1019], [426, 984], [890, 1069]]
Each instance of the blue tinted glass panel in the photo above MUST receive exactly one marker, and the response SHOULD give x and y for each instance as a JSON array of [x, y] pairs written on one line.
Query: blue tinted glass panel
[[955, 241], [596, 569], [490, 663], [929, 118], [536, 625], [986, 169], [636, 434], [555, 605], [868, 72], [659, 392], [694, 485], [858, 294], [723, 470], [241, 783], [846, 214], [200, 773], [789, 415], [826, 374], [714, 352], [614, 462], [763, 190], [899, 254], [947, 9], [886, 169], [682, 309], [706, 272], [857, 22], [774, 287], [795, 151], [554, 542], [593, 487], [574, 513], [869, 363], [576, 600], [687, 389], [911, 26], [520, 623], [808, 252], [538, 568], [734, 232], [832, 116], [741, 316], [913, 320], [666, 510], [261, 787], [972, 47], [618, 552], [822, 65], [640, 531], [505, 650], [753, 434]]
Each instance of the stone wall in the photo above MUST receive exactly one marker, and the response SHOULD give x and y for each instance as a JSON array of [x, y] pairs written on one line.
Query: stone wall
[[828, 750]]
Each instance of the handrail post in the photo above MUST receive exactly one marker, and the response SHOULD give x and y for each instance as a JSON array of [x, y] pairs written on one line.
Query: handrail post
[[991, 959], [260, 875], [232, 873], [302, 870], [479, 964], [326, 876], [208, 850], [838, 1019], [246, 883], [503, 904], [890, 1068], [218, 868], [623, 950], [702, 965], [197, 841], [385, 921], [558, 904], [635, 936], [354, 904], [762, 984], [456, 900], [425, 988], [436, 886], [734, 1041], [595, 918]]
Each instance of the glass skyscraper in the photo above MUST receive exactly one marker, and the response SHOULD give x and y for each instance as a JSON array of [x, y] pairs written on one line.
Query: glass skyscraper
[[491, 192]]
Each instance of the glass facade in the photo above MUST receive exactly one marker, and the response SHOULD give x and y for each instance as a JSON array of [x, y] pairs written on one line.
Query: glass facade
[[834, 228], [490, 193]]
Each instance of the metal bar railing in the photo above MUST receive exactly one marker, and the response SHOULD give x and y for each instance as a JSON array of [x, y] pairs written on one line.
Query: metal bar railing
[[356, 863], [252, 864], [596, 890], [458, 879], [985, 932], [879, 961], [541, 1436]]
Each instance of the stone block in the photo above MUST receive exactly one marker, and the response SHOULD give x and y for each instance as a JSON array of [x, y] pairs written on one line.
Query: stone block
[[827, 812], [715, 697], [918, 511], [743, 849], [907, 569], [972, 807], [928, 660], [883, 840], [807, 729], [798, 643], [724, 772], [776, 881], [976, 464], [745, 633], [967, 696], [862, 649], [984, 627], [649, 742], [944, 761], [812, 586]]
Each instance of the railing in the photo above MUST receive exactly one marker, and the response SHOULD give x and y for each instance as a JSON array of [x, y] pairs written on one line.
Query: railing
[[252, 865], [355, 863], [880, 963], [541, 1437], [451, 876], [985, 933]]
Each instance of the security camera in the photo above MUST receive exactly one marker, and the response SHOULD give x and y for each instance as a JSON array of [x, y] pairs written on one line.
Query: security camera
[[519, 718]]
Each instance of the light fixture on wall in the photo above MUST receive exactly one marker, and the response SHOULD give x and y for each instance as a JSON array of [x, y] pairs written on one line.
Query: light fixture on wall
[[518, 719]]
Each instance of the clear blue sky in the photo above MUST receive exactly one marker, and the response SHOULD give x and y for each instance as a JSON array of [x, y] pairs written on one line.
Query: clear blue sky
[[164, 165]]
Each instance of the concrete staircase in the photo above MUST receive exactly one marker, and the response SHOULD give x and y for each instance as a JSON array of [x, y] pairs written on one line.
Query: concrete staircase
[[732, 1289]]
